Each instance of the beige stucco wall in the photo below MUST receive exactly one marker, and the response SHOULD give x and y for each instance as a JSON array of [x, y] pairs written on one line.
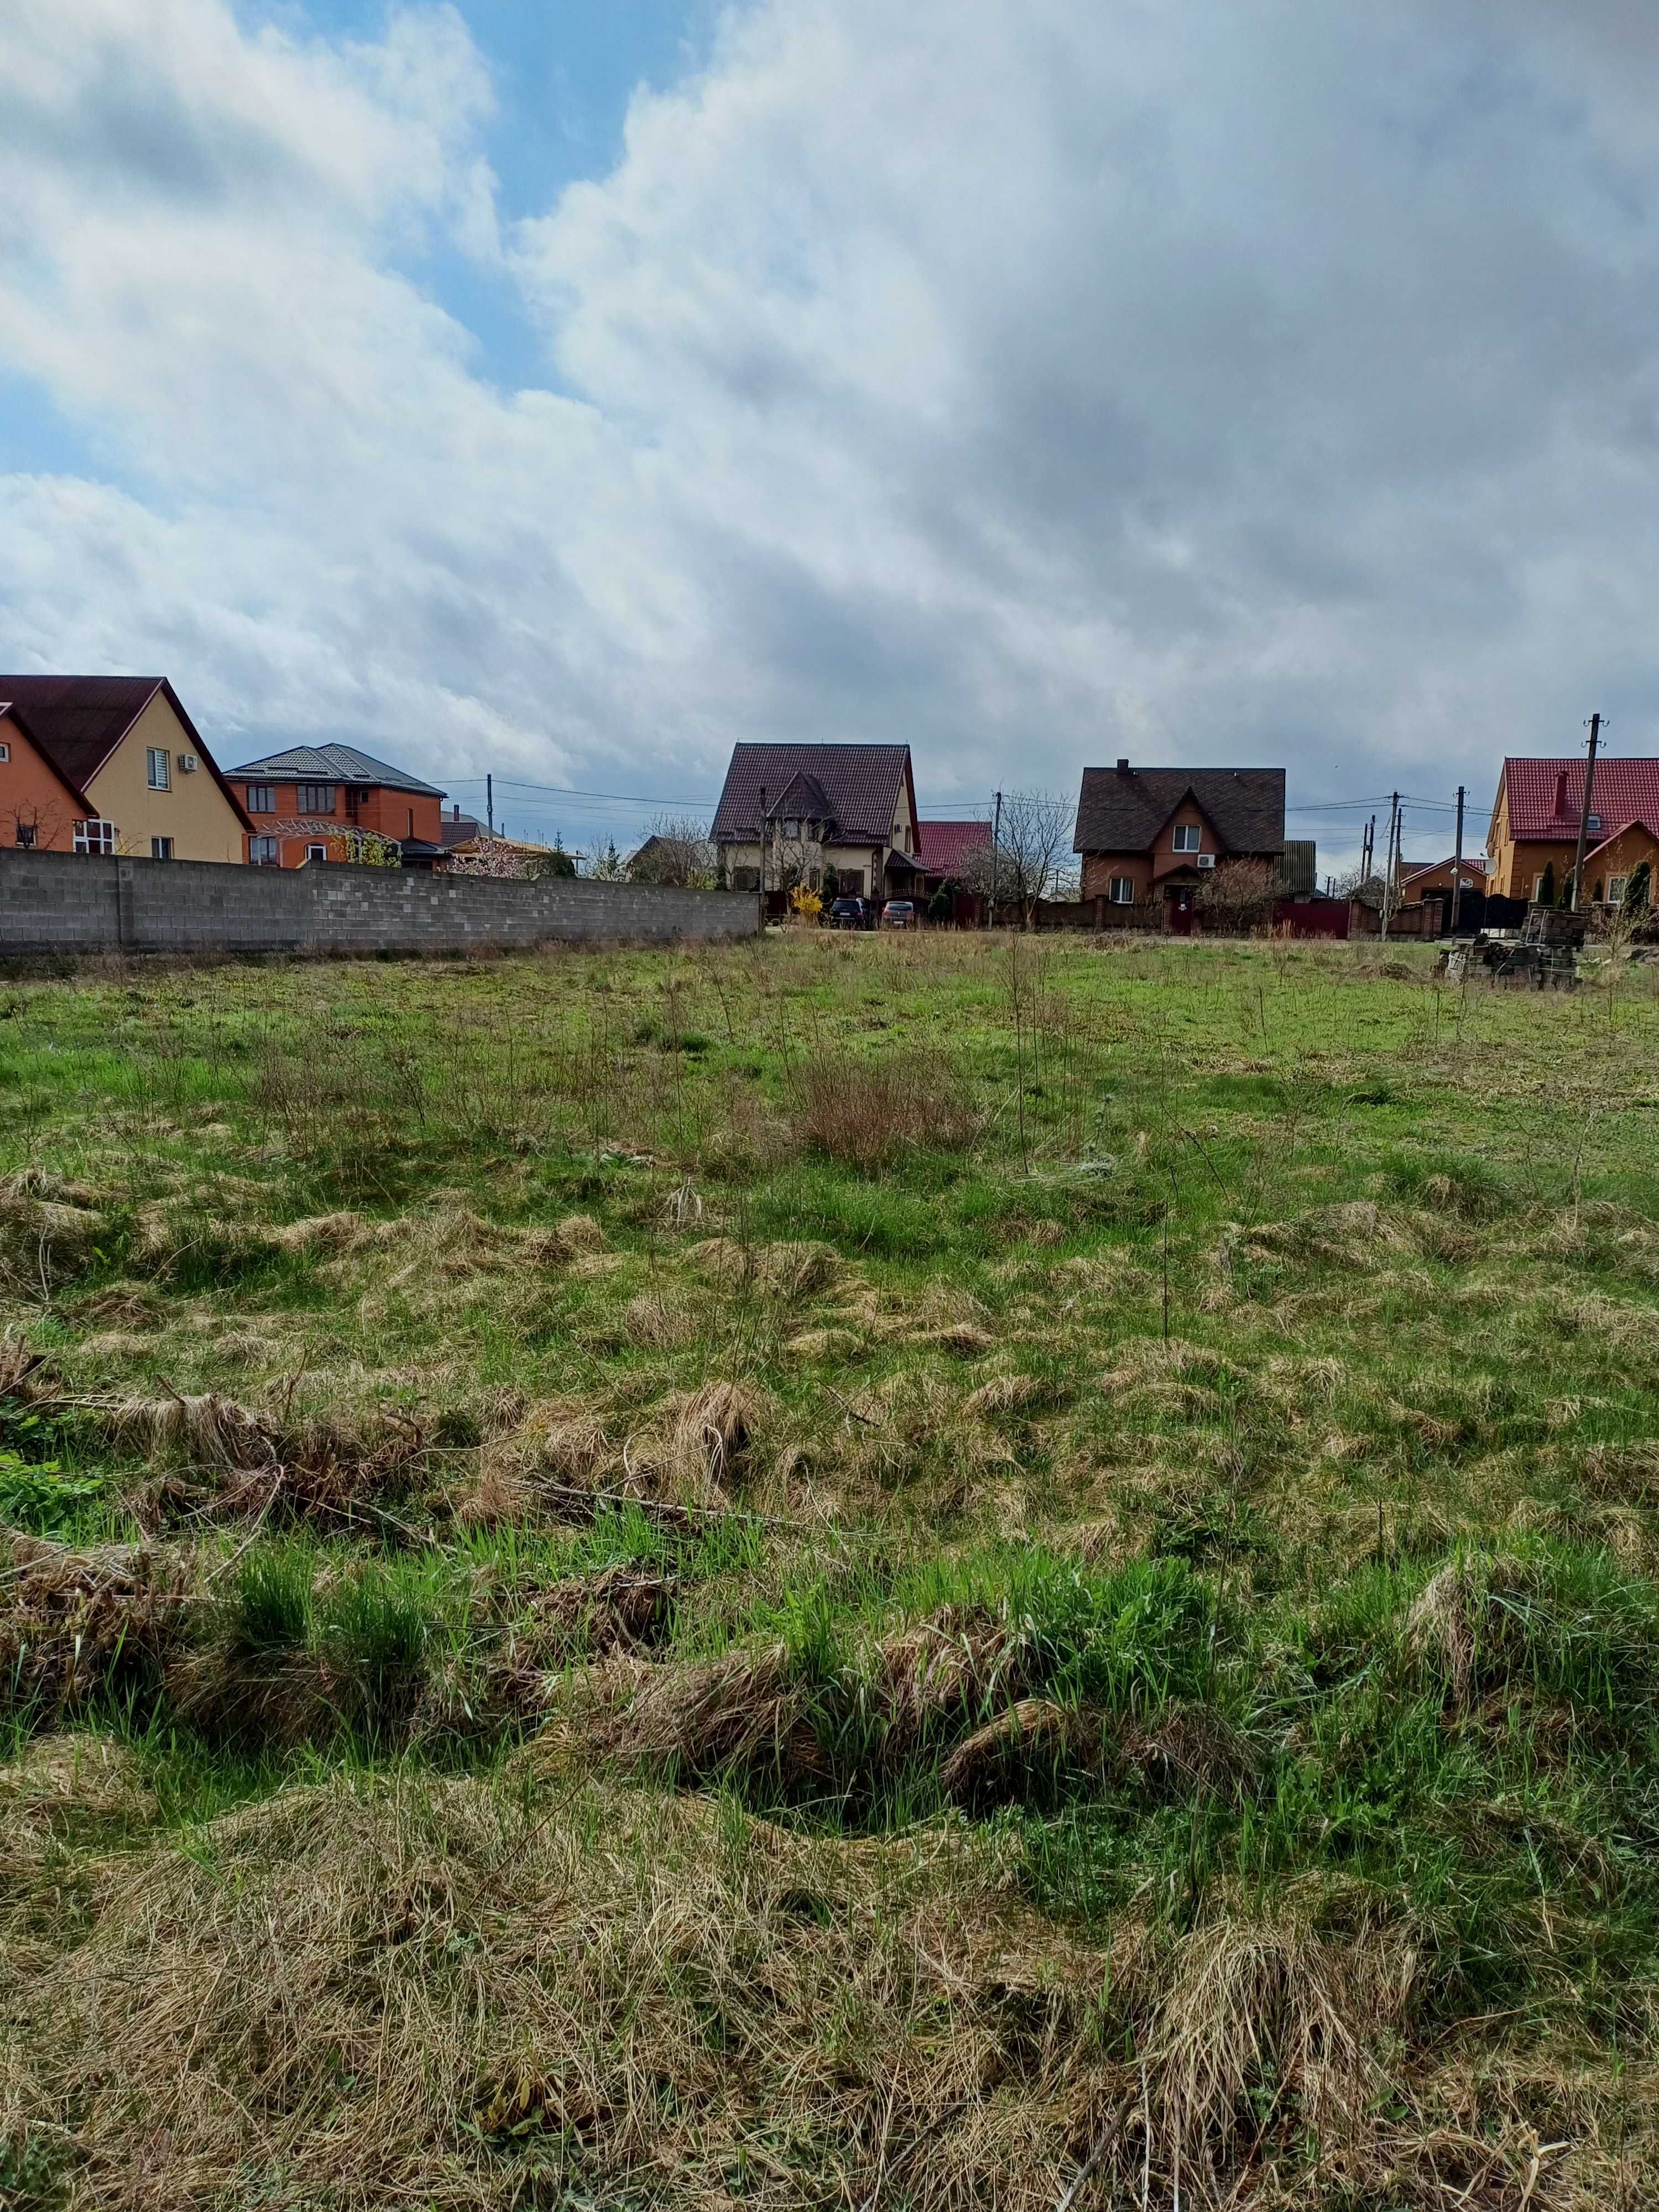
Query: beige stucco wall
[[194, 812]]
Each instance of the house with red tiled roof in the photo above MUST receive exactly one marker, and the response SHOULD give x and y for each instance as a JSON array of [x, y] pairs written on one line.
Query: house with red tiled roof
[[946, 847], [790, 814], [1534, 836]]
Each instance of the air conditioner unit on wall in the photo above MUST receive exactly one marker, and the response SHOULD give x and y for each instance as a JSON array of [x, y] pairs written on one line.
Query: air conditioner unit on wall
[[1204, 859], [188, 763]]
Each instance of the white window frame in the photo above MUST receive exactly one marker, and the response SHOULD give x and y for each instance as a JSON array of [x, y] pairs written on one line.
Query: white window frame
[[271, 859], [26, 831], [95, 834], [5, 749], [1616, 890], [158, 772], [316, 852], [1186, 837], [161, 848], [1121, 891]]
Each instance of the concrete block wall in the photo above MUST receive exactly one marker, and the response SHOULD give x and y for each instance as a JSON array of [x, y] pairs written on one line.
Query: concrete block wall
[[86, 902]]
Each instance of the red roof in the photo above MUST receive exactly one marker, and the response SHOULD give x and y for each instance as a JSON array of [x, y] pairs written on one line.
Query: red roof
[[943, 846], [1544, 795]]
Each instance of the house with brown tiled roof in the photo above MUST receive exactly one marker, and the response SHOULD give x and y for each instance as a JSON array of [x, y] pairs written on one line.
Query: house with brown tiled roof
[[1149, 835], [111, 764], [790, 814]]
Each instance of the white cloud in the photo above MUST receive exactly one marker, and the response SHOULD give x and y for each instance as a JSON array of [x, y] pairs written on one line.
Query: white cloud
[[1034, 379]]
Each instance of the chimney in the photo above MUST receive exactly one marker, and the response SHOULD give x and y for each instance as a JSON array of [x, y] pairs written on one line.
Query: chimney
[[1561, 792], [455, 812], [1123, 767]]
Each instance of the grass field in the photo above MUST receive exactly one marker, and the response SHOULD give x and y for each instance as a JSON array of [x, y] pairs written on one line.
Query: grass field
[[869, 1573]]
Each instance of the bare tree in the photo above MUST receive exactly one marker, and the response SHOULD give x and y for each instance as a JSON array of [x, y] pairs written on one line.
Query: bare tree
[[677, 851], [1238, 897], [1029, 852]]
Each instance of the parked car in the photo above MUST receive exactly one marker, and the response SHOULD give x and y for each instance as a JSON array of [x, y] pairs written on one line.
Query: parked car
[[899, 914], [850, 913]]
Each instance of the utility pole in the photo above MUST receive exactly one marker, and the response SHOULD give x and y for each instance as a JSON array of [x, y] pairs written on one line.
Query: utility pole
[[489, 804], [996, 832], [1457, 864], [1388, 864], [1584, 814], [1368, 850]]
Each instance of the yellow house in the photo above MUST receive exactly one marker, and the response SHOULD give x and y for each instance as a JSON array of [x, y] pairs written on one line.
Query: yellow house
[[125, 745]]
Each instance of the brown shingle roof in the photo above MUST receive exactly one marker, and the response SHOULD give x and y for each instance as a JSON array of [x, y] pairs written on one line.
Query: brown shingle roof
[[1121, 809], [861, 784], [77, 721]]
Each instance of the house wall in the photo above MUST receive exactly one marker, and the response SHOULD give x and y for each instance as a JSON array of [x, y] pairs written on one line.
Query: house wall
[[1164, 855], [388, 813], [1512, 868], [1099, 868], [1620, 856], [841, 858], [1433, 880], [193, 812], [82, 902], [31, 793]]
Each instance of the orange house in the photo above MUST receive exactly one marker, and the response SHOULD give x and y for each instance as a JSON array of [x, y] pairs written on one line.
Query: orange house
[[335, 802], [40, 808], [1609, 866], [1534, 836], [1429, 878]]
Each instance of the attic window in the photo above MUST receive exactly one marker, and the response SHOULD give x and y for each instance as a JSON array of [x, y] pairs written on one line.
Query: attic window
[[1592, 821], [792, 827], [1188, 837]]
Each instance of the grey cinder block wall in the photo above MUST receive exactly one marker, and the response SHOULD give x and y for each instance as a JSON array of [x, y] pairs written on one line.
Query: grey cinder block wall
[[87, 902]]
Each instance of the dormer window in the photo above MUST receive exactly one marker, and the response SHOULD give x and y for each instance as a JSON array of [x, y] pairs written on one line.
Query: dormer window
[[792, 828], [1592, 821], [1188, 837]]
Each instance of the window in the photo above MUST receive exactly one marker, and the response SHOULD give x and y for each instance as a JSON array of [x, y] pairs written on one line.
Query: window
[[261, 798], [851, 881], [1123, 890], [792, 828], [94, 836], [25, 836], [1592, 821], [156, 758], [1537, 888], [1615, 890], [745, 879], [1188, 837], [262, 852], [161, 848], [315, 799], [316, 852], [5, 752]]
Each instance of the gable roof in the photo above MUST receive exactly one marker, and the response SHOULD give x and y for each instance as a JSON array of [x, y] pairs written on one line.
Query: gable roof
[[1472, 864], [1544, 796], [77, 721], [860, 785], [945, 845], [1121, 809], [1612, 836], [336, 764], [10, 713]]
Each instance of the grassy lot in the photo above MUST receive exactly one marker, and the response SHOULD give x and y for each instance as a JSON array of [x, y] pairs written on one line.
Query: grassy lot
[[876, 1573]]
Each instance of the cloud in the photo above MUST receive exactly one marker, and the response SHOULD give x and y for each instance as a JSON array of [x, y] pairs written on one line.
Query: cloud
[[1034, 379]]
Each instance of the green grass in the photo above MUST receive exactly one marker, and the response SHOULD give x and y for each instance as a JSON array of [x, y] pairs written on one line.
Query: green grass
[[1248, 1377]]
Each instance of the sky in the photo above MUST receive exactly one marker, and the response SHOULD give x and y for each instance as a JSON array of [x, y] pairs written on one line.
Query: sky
[[567, 389]]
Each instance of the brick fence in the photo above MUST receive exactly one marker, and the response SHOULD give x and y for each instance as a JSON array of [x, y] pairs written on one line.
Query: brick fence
[[82, 902]]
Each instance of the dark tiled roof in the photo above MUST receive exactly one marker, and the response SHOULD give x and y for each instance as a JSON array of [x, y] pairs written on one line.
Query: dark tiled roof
[[946, 845], [1545, 795], [460, 829], [335, 764], [77, 721], [860, 785], [19, 721], [1123, 809]]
